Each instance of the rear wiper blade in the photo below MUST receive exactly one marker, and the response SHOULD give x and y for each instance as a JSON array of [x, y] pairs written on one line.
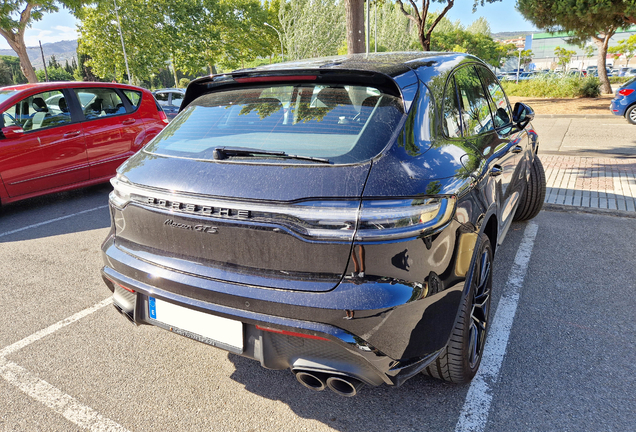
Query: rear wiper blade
[[221, 153]]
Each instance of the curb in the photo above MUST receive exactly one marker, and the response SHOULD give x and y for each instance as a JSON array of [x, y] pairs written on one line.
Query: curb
[[591, 210], [588, 154], [578, 116]]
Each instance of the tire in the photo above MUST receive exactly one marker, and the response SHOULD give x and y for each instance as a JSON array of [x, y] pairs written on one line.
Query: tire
[[531, 201], [460, 359], [630, 114]]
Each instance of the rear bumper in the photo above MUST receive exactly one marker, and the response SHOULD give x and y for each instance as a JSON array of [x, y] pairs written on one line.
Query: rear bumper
[[330, 350], [377, 330], [619, 105]]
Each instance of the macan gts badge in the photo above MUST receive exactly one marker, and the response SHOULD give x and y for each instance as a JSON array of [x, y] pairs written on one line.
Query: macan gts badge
[[337, 217]]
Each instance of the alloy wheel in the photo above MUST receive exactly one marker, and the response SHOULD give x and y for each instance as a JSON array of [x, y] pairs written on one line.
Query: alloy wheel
[[480, 309]]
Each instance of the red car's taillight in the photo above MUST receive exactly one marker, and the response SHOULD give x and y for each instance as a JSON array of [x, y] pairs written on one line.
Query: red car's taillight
[[625, 92], [163, 117]]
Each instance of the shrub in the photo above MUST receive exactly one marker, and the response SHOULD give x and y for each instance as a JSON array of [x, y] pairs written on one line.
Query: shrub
[[55, 74], [183, 82], [555, 86], [590, 87], [619, 80]]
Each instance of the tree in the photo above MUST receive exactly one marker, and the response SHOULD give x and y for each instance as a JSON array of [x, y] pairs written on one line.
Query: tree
[[475, 40], [355, 26], [99, 38], [55, 74], [584, 19], [83, 72], [312, 28], [192, 36], [564, 57], [53, 62], [6, 77], [394, 32], [425, 26], [16, 72], [626, 47], [526, 58], [479, 27], [17, 15]]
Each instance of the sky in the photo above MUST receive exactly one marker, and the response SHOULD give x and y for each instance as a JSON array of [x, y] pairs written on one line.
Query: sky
[[502, 16]]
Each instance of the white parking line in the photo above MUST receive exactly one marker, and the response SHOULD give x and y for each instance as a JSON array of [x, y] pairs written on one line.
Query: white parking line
[[51, 221], [55, 399], [474, 413], [53, 328], [43, 392]]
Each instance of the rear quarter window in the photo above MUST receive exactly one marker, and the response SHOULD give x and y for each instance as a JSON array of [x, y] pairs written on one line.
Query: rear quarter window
[[134, 97]]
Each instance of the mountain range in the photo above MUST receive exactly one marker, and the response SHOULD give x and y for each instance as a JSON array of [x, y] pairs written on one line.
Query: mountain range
[[63, 50]]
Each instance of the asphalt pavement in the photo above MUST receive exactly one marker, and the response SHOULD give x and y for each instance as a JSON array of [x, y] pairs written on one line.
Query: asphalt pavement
[[565, 362]]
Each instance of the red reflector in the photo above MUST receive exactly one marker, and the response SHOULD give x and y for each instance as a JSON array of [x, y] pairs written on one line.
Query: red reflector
[[277, 78], [126, 288], [288, 333], [625, 92]]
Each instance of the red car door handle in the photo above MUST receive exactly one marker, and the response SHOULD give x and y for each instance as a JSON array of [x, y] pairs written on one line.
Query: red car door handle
[[128, 121], [72, 134]]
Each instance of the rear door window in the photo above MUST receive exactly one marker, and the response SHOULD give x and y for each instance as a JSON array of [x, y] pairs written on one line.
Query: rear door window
[[339, 122], [100, 102]]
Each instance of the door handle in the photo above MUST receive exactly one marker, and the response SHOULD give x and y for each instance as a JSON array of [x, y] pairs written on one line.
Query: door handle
[[128, 121], [496, 171], [72, 134], [516, 149]]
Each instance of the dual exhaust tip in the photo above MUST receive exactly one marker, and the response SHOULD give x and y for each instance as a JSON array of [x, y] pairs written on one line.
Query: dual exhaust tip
[[340, 384]]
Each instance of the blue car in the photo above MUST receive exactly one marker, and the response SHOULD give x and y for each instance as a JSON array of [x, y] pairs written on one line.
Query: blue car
[[624, 104]]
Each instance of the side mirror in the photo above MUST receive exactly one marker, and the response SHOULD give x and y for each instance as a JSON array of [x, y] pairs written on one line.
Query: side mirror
[[522, 114], [12, 131]]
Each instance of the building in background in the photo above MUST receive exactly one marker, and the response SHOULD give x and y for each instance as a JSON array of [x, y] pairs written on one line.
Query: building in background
[[543, 45]]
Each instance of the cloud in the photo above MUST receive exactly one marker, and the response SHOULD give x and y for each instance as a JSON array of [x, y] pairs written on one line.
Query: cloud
[[33, 35]]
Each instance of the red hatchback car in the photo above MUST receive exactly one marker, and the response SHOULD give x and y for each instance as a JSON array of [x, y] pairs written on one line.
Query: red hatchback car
[[67, 135]]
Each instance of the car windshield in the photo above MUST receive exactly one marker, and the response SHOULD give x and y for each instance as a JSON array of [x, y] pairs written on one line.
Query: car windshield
[[345, 124], [6, 94]]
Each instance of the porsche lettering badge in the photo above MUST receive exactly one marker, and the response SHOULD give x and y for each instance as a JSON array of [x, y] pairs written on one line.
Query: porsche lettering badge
[[199, 209]]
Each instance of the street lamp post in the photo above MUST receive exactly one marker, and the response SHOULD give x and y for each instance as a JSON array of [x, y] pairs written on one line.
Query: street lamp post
[[519, 63], [282, 56], [122, 41]]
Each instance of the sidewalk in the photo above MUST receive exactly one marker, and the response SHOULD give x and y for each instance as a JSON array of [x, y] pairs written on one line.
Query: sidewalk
[[606, 183]]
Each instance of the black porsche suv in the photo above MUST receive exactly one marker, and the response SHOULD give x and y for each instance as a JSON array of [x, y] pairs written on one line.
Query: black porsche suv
[[337, 217]]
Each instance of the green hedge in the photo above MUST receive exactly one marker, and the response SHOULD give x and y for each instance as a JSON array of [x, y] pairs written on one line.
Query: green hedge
[[619, 80], [554, 86]]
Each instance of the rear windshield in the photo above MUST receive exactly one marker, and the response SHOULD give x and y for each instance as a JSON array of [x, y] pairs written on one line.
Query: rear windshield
[[344, 124]]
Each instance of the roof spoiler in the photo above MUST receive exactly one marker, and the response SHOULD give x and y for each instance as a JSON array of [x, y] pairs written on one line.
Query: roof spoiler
[[244, 77]]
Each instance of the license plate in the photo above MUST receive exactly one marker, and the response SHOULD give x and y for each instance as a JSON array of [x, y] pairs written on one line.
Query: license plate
[[221, 332]]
